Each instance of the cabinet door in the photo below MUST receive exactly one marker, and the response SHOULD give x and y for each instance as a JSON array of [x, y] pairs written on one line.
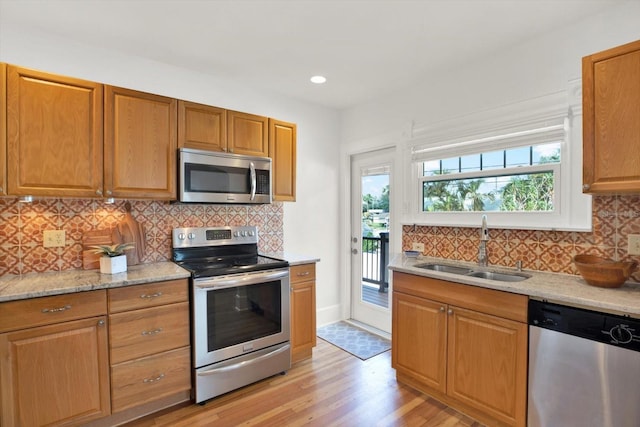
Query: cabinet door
[[611, 124], [140, 144], [54, 134], [56, 374], [202, 127], [419, 331], [282, 150], [487, 364], [3, 129], [303, 319], [247, 134]]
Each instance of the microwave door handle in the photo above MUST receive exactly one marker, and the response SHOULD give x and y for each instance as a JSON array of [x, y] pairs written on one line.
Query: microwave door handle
[[253, 180]]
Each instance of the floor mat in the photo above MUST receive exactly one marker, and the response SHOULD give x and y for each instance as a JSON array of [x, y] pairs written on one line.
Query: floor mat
[[354, 340]]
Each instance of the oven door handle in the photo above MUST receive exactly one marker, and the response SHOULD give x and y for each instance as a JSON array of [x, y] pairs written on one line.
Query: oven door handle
[[245, 363], [249, 279]]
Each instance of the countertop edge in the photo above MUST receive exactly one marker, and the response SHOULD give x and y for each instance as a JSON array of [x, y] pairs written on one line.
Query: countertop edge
[[34, 285], [291, 258], [555, 287]]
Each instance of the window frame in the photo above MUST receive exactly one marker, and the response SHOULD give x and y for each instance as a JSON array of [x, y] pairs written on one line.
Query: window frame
[[532, 122]]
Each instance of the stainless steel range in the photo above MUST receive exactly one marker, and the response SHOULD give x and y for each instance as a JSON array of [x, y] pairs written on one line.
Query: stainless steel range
[[239, 307]]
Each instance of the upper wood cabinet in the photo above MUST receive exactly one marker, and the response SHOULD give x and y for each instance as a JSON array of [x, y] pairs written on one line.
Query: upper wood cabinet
[[247, 134], [282, 150], [140, 144], [54, 134], [201, 126], [611, 120], [3, 129]]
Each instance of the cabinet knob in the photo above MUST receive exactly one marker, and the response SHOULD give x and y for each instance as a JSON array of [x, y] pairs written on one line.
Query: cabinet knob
[[450, 312], [99, 192], [101, 322], [108, 192], [442, 309], [586, 186]]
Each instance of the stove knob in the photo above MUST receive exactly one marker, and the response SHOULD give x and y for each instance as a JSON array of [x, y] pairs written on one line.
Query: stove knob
[[251, 233], [243, 233], [191, 236], [181, 236], [236, 233]]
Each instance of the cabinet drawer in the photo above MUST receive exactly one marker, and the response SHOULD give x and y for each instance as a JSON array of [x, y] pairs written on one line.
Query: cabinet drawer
[[148, 295], [303, 272], [150, 378], [140, 333], [54, 309]]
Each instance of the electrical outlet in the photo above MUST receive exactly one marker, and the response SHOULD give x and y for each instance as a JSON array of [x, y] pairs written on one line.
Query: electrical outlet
[[633, 244], [418, 247], [53, 238]]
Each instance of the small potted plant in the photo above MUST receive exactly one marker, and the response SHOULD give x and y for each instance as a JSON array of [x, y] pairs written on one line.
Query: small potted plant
[[113, 259]]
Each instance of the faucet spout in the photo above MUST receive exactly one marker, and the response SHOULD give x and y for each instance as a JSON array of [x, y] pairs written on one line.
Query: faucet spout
[[483, 259]]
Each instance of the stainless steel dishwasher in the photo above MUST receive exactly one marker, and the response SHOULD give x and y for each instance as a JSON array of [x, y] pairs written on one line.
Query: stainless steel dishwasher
[[584, 368]]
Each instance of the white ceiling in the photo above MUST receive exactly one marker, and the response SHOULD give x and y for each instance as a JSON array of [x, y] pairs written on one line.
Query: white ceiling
[[365, 48]]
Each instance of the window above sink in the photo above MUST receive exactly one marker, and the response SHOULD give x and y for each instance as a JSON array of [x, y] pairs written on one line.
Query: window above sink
[[520, 164]]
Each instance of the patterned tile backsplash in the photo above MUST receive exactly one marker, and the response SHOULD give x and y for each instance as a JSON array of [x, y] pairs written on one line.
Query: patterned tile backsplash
[[22, 224], [614, 218]]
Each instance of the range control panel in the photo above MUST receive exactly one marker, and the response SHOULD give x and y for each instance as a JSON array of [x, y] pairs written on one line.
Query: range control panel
[[191, 237]]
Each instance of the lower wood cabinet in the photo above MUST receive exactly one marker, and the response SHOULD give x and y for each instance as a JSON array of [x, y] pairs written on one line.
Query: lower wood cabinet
[[149, 343], [58, 373], [464, 345], [303, 310]]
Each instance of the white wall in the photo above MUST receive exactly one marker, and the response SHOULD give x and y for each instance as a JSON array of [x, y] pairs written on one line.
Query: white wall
[[310, 224], [539, 67], [542, 66]]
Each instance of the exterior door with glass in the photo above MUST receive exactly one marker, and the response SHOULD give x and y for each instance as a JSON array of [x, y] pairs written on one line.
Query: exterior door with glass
[[370, 219]]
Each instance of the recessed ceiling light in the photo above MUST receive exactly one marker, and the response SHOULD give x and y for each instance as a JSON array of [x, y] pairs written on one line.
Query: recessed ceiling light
[[318, 79]]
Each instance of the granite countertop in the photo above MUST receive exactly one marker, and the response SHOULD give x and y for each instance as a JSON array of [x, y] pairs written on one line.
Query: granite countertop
[[555, 287], [293, 259], [64, 282]]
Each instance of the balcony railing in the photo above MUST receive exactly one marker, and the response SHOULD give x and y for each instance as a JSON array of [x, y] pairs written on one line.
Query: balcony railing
[[375, 260]]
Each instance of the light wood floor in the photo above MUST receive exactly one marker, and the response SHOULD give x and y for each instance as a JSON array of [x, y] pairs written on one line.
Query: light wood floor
[[333, 388]]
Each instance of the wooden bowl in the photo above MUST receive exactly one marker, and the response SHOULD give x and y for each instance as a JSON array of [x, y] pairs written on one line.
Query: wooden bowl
[[603, 272]]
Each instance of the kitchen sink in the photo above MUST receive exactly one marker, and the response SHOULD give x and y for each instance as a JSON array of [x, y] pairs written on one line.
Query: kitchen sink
[[445, 268], [500, 277], [464, 271]]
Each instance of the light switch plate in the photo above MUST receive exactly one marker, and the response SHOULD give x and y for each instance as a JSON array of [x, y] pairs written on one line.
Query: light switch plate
[[53, 238], [633, 244], [417, 246]]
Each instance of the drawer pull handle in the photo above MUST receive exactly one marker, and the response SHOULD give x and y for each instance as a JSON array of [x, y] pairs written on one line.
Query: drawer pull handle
[[56, 310], [153, 380], [154, 332], [156, 295], [306, 273]]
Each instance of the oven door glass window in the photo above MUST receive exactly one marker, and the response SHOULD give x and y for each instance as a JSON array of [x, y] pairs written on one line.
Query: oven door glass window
[[244, 313]]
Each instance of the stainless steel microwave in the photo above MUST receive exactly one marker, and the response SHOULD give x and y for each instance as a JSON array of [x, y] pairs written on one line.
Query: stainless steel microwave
[[216, 177]]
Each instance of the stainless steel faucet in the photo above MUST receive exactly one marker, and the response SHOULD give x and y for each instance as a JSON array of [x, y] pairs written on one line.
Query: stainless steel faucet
[[482, 248]]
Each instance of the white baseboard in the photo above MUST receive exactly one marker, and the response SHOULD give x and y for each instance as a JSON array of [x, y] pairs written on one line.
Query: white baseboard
[[327, 315]]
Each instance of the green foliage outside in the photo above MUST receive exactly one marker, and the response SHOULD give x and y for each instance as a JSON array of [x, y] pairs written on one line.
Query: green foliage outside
[[523, 193]]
